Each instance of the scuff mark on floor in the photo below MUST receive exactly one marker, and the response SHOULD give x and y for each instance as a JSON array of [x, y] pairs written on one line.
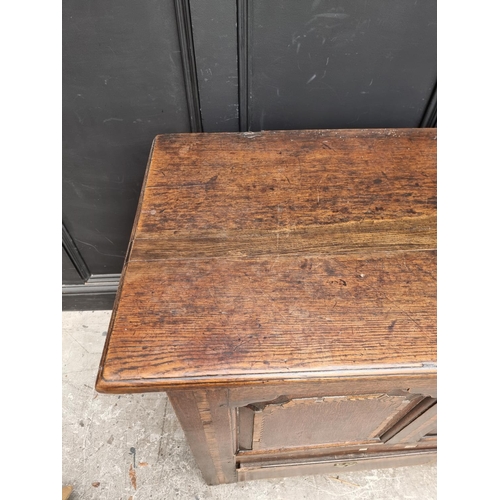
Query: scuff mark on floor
[[133, 477]]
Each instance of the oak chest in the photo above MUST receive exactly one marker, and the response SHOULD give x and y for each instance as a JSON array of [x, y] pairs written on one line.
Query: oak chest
[[281, 288]]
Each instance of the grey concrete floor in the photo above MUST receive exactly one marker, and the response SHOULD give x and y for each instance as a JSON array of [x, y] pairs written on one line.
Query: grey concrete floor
[[131, 447]]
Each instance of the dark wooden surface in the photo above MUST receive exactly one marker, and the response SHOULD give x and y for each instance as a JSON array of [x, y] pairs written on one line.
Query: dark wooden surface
[[237, 434], [132, 70], [279, 255], [193, 411], [336, 466], [214, 429], [338, 385], [281, 287]]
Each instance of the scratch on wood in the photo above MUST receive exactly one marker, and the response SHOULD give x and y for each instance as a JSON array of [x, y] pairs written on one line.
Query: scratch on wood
[[408, 315]]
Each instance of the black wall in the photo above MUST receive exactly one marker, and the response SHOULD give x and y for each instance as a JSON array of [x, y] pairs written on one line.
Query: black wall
[[132, 70]]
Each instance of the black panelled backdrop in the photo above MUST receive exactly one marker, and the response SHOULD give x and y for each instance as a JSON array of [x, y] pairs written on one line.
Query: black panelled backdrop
[[132, 70]]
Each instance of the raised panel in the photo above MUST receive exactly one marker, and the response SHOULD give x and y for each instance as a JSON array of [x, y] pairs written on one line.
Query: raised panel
[[215, 45], [123, 84], [323, 420], [340, 63]]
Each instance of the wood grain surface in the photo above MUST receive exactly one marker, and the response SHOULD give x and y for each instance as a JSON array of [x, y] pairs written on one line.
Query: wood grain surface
[[355, 418], [252, 471], [278, 255]]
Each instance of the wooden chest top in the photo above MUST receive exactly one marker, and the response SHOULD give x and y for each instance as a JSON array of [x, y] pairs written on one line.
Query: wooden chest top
[[278, 255]]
